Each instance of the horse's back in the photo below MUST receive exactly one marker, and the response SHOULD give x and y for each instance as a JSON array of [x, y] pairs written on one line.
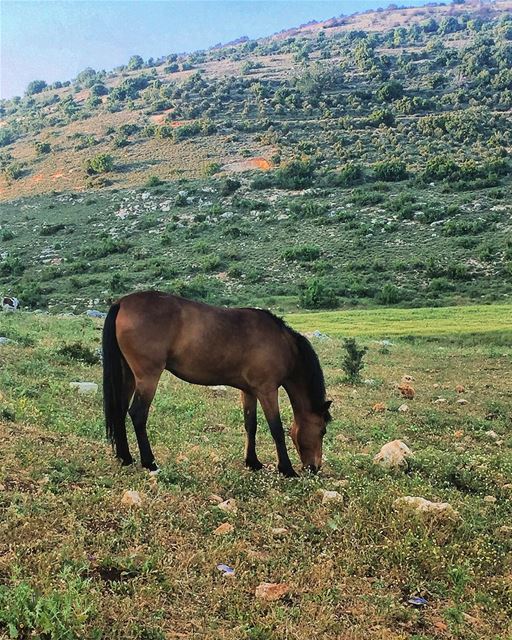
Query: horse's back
[[202, 343]]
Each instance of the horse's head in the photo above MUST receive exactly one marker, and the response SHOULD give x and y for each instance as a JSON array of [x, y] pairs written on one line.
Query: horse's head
[[307, 433]]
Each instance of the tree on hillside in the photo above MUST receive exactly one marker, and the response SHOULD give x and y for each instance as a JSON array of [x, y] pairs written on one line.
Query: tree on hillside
[[87, 77], [36, 86], [135, 62]]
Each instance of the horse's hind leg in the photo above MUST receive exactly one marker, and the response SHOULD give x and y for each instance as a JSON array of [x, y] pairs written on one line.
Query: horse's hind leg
[[122, 449], [249, 405], [270, 405], [139, 409]]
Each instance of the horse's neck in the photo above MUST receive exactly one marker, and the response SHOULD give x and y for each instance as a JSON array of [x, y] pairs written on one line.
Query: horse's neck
[[298, 393]]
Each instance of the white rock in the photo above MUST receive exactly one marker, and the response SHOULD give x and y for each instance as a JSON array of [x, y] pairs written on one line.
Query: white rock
[[440, 401], [490, 499], [393, 455], [228, 505], [422, 506], [131, 499], [403, 408], [84, 388], [491, 434], [330, 496]]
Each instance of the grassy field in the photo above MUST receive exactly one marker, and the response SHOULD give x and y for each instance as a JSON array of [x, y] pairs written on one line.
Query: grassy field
[[407, 322], [76, 563]]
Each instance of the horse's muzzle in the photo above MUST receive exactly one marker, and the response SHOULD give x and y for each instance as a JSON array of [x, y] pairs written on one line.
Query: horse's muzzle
[[312, 468]]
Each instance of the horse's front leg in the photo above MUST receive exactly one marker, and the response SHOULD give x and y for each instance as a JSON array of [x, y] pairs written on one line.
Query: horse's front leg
[[249, 404], [270, 405]]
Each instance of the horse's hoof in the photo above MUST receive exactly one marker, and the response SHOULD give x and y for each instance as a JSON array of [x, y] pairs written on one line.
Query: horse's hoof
[[254, 465], [152, 467], [289, 473], [126, 462], [154, 472]]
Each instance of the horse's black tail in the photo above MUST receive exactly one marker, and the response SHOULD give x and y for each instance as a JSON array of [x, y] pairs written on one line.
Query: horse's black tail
[[113, 377]]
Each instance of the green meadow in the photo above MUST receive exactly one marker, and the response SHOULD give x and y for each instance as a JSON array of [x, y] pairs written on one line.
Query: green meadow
[[77, 563]]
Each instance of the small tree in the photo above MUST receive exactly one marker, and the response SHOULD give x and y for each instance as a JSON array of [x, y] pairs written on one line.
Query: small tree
[[135, 62], [352, 362], [102, 163], [36, 86]]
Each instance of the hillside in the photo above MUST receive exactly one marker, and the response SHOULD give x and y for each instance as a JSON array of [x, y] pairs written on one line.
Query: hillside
[[362, 160]]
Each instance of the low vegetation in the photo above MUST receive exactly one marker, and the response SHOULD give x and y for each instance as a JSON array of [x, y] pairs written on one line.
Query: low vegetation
[[75, 562]]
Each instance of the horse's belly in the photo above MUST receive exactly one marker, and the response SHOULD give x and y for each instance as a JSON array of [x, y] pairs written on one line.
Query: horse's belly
[[206, 377]]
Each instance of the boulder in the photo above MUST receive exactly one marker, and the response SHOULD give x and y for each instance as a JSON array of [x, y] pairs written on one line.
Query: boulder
[[406, 390], [422, 506], [393, 455]]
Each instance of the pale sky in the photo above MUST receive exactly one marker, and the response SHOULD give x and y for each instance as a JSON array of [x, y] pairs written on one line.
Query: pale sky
[[56, 39]]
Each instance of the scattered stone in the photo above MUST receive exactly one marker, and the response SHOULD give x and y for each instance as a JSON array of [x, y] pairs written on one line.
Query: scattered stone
[[406, 390], [223, 529], [320, 335], [460, 388], [436, 385], [131, 499], [462, 401], [504, 532], [492, 434], [215, 498], [4, 340], [393, 455], [379, 407], [279, 531], [271, 591], [490, 499], [422, 506], [226, 569], [403, 408], [417, 601], [228, 505], [440, 401], [93, 313], [84, 388], [330, 496], [218, 388]]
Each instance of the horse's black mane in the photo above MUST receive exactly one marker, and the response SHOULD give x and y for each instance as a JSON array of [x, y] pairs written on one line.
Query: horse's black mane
[[314, 374]]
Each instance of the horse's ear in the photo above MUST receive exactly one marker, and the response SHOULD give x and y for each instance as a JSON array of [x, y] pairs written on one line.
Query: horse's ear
[[327, 405]]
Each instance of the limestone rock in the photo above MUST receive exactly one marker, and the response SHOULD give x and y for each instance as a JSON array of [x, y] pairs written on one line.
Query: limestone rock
[[271, 591], [403, 408], [228, 505], [393, 455], [330, 496], [131, 499], [223, 529], [406, 390], [425, 507]]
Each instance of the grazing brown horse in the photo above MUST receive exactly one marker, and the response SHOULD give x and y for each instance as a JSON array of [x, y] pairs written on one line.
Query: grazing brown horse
[[249, 349]]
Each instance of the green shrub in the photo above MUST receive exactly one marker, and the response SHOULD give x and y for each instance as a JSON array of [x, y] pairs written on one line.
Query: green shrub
[[77, 351], [317, 294], [352, 362], [302, 253], [389, 294], [153, 181], [392, 170], [102, 163], [42, 148]]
